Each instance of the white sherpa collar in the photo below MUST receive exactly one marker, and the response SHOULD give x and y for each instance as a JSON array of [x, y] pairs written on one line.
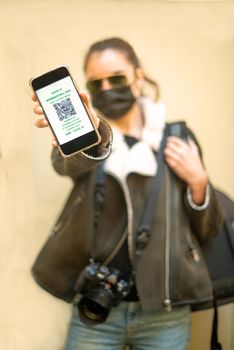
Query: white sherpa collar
[[140, 157]]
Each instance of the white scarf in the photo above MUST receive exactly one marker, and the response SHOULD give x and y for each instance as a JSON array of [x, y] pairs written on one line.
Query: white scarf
[[139, 158]]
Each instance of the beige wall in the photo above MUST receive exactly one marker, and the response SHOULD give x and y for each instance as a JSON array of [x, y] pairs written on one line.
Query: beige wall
[[187, 45]]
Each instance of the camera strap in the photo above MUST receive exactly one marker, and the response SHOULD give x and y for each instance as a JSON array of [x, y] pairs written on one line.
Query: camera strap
[[108, 252], [99, 193]]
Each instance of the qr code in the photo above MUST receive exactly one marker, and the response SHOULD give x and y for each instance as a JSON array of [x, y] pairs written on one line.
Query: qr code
[[64, 109]]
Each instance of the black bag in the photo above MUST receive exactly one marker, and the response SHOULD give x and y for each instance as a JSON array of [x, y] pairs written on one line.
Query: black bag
[[219, 250], [219, 255]]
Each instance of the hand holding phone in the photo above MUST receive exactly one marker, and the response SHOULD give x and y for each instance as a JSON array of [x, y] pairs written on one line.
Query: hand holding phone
[[68, 113]]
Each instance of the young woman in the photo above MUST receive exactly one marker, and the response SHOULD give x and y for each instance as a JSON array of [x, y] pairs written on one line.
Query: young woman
[[166, 275]]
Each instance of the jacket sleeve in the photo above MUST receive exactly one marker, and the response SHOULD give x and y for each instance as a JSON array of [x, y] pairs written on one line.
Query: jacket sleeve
[[206, 220], [84, 161]]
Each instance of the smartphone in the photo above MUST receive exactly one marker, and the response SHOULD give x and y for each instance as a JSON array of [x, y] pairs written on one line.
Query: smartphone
[[65, 111]]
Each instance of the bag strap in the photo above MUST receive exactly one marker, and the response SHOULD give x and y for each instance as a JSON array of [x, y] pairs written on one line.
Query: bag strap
[[143, 232], [214, 343], [144, 227]]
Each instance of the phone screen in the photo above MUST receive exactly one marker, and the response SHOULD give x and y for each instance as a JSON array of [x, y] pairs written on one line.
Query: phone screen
[[65, 111]]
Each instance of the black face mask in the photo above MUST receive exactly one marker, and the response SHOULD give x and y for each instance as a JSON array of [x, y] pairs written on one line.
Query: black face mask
[[114, 103]]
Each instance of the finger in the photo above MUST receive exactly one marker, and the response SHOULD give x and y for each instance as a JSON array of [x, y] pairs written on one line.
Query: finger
[[41, 123], [172, 154], [38, 110], [193, 146], [54, 143], [34, 98], [176, 141], [86, 99], [171, 162], [179, 149]]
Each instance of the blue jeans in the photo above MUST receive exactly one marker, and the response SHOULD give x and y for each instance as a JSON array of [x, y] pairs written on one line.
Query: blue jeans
[[128, 324]]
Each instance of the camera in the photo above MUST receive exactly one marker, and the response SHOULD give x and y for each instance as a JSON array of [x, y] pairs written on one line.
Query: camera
[[101, 287]]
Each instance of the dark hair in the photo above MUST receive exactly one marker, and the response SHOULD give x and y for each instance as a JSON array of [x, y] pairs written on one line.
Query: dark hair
[[124, 47]]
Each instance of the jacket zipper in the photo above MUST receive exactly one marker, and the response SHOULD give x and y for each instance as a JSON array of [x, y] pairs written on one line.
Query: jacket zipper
[[167, 300], [192, 249], [130, 222]]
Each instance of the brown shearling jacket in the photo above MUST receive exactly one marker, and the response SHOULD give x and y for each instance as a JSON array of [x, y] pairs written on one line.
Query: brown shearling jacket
[[167, 271]]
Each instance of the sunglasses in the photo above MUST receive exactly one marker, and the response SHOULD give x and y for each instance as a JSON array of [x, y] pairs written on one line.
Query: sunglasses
[[115, 81]]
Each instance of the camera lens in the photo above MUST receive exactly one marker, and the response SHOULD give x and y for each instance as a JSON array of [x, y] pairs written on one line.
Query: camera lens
[[95, 305]]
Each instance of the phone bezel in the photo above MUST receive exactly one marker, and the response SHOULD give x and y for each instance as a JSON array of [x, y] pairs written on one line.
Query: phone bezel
[[80, 143]]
